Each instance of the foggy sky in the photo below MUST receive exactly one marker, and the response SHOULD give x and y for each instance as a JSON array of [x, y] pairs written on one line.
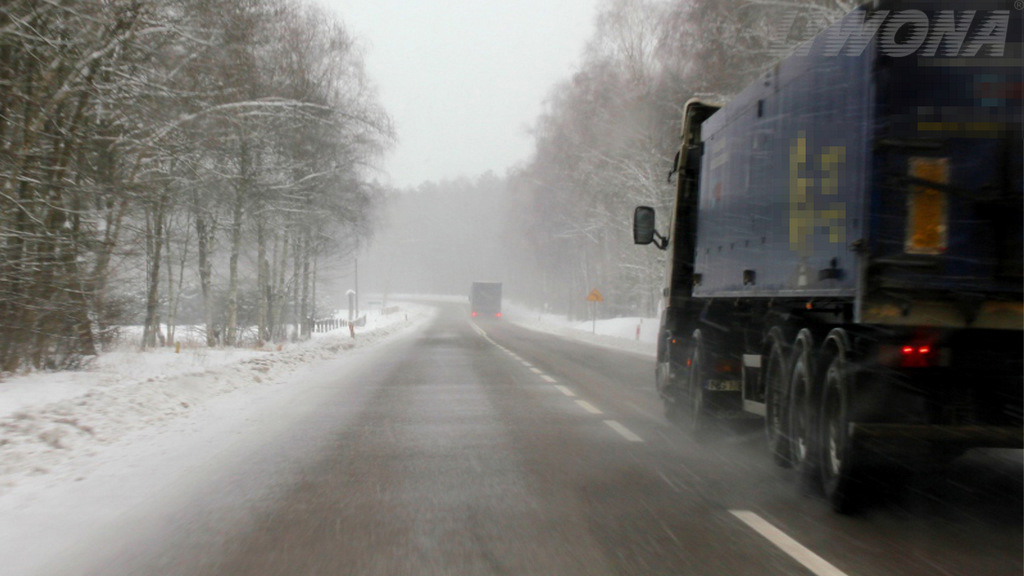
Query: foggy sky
[[464, 79]]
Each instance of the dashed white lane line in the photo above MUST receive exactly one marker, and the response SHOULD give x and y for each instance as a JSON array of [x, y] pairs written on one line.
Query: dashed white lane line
[[797, 551], [623, 431], [565, 391]]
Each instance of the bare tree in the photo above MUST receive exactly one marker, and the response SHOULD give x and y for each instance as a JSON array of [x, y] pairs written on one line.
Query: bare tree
[[128, 125], [606, 140]]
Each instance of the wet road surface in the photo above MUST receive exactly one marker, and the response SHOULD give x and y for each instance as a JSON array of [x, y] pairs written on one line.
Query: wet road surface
[[487, 449]]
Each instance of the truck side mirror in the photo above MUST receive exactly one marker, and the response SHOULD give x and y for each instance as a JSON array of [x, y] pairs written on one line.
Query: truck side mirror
[[643, 225], [643, 228]]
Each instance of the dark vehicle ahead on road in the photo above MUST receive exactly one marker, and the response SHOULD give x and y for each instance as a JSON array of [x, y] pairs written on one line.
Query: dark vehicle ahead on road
[[485, 300], [845, 249]]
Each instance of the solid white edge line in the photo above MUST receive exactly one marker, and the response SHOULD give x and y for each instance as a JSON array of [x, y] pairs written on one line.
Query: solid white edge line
[[623, 431], [565, 391], [535, 370], [588, 407], [548, 379], [525, 363], [794, 549]]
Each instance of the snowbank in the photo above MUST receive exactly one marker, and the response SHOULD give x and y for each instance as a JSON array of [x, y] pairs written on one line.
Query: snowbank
[[48, 418], [630, 333]]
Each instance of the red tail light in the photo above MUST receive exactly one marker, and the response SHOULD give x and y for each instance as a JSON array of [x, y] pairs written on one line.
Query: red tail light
[[474, 314], [497, 314], [917, 357]]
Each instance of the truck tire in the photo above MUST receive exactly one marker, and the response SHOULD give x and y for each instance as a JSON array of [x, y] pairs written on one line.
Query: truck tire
[[674, 411], [776, 383], [803, 410], [700, 414], [839, 462]]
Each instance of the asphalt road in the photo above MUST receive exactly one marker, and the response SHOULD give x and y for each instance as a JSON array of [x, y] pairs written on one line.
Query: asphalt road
[[484, 448]]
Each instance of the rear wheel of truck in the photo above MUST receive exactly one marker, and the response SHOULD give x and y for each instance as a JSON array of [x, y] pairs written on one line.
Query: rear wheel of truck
[[839, 462], [802, 413], [700, 413], [675, 410], [776, 382]]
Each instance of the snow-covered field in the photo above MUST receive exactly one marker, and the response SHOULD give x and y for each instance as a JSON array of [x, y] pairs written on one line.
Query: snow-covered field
[[48, 420]]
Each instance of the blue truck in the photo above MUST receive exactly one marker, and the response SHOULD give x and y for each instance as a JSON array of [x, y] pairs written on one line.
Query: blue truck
[[845, 247]]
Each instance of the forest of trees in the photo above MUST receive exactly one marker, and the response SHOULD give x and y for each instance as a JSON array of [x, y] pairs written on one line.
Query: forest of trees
[[153, 150], [607, 138]]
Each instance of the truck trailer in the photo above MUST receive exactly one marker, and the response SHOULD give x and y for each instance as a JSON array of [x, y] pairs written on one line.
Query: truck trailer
[[845, 247], [485, 300]]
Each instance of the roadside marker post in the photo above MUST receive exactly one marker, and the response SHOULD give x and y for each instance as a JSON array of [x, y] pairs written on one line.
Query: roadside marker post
[[594, 297]]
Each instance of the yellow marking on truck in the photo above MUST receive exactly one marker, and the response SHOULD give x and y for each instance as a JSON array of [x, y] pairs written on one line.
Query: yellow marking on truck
[[805, 216], [927, 208]]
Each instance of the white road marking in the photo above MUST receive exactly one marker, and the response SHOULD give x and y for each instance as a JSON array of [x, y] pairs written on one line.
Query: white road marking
[[525, 363], [536, 371], [565, 391], [667, 481], [797, 551], [623, 431], [670, 534], [588, 407], [548, 379]]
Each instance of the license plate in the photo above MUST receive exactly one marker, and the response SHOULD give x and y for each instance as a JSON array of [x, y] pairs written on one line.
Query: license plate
[[724, 385]]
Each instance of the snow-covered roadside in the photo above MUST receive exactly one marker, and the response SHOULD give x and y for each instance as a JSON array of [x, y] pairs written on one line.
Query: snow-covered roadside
[[48, 420], [634, 334]]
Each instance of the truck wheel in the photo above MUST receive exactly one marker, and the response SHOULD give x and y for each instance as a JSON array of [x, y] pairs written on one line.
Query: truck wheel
[[776, 414], [802, 409], [675, 411], [700, 413], [838, 459]]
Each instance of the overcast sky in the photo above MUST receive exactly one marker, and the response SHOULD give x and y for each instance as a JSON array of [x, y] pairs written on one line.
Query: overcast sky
[[465, 79]]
